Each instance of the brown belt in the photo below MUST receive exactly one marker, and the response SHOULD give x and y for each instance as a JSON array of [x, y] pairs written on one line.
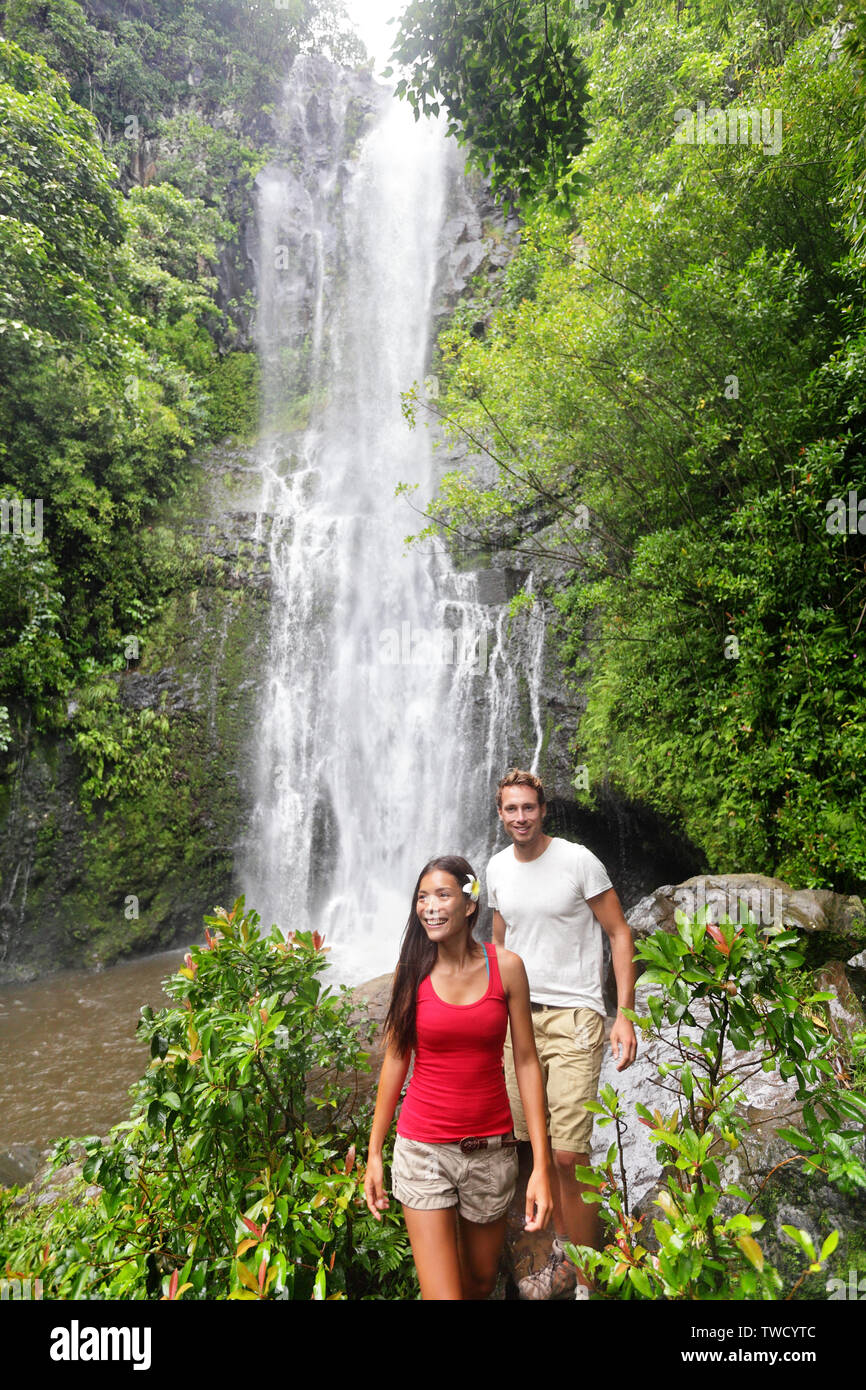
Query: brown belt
[[473, 1142]]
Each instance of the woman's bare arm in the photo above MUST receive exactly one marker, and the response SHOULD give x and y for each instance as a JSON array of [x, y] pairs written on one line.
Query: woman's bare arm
[[539, 1203], [391, 1078]]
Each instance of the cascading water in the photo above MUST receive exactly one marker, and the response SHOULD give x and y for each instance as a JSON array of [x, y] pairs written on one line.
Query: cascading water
[[384, 723]]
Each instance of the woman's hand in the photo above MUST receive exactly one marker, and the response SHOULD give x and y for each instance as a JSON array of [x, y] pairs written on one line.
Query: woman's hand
[[539, 1202], [374, 1186]]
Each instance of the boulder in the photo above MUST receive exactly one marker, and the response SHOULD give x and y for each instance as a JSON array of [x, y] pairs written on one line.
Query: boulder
[[834, 925]]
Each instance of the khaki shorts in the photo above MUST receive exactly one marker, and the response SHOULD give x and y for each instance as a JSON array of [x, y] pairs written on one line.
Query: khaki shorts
[[480, 1184], [570, 1045]]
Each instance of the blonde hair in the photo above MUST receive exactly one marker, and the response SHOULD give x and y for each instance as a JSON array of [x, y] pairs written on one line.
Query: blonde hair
[[518, 778]]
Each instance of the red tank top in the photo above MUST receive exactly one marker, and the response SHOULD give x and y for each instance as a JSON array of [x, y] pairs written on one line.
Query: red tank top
[[457, 1086]]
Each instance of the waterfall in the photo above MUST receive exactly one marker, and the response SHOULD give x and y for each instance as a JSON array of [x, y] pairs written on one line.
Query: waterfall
[[391, 689]]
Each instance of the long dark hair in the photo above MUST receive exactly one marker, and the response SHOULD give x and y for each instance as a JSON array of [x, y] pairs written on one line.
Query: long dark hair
[[417, 958]]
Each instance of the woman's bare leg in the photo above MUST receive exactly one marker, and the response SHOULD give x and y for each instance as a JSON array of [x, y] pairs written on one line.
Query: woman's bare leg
[[433, 1237], [480, 1250]]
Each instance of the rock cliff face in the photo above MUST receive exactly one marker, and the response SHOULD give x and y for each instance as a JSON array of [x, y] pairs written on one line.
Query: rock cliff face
[[139, 872]]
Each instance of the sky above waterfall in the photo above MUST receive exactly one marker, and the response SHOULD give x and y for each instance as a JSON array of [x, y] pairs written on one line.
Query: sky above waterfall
[[370, 18]]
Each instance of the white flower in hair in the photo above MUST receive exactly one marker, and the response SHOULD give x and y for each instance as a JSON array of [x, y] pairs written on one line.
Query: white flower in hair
[[472, 887]]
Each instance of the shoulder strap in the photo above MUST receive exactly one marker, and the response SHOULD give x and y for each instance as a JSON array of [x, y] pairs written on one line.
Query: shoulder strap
[[486, 945], [493, 967]]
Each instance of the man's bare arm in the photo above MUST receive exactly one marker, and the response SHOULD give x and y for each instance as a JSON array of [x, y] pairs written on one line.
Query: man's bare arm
[[607, 908]]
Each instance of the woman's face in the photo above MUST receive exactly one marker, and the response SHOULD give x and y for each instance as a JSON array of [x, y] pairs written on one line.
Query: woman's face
[[443, 907]]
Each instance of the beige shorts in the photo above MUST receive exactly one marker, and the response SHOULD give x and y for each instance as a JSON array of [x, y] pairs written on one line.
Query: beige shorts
[[479, 1184], [570, 1045]]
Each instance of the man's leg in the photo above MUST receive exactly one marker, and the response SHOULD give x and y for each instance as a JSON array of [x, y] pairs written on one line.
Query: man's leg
[[575, 1042], [572, 1216]]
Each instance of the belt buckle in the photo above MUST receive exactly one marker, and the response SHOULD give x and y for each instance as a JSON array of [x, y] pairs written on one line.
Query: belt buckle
[[471, 1143]]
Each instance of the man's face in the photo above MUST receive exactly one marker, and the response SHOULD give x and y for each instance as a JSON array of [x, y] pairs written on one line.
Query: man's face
[[521, 814]]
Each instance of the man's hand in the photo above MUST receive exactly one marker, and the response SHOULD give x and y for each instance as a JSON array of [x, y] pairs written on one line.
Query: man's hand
[[623, 1042]]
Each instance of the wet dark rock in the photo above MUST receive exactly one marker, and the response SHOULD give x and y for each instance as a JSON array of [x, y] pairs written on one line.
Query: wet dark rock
[[18, 1163]]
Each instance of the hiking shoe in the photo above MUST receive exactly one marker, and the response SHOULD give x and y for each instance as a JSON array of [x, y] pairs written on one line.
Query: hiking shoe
[[556, 1279]]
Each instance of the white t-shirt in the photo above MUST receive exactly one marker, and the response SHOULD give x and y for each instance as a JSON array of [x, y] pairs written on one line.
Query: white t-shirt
[[549, 923]]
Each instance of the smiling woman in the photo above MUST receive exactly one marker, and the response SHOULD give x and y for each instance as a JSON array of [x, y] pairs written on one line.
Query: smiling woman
[[455, 1164]]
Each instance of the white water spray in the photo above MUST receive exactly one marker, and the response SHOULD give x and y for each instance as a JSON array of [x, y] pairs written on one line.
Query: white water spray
[[384, 724]]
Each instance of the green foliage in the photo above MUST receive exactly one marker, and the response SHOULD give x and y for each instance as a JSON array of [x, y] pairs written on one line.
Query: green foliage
[[852, 183], [670, 391], [108, 375], [152, 57], [94, 423], [235, 1176], [171, 245], [511, 79], [208, 162], [740, 986], [521, 278], [32, 659], [234, 406], [123, 751], [56, 178]]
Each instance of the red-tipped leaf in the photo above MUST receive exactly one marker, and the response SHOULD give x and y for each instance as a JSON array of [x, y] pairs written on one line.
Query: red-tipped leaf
[[714, 933]]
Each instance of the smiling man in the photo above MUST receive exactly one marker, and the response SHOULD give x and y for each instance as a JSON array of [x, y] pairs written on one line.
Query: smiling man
[[551, 901]]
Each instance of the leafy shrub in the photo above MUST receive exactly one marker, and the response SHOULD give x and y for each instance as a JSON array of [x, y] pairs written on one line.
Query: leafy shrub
[[744, 982], [233, 1178]]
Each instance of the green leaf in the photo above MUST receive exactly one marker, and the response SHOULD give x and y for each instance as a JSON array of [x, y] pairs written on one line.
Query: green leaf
[[732, 1190], [829, 1245], [793, 1136], [801, 1238], [590, 1176], [752, 1251]]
